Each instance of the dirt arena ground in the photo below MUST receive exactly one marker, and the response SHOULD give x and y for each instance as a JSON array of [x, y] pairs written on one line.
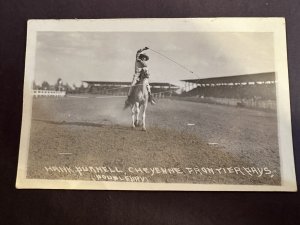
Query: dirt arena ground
[[81, 138]]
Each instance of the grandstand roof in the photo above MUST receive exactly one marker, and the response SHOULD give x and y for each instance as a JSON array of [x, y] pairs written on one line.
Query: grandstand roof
[[128, 83], [107, 82], [258, 77]]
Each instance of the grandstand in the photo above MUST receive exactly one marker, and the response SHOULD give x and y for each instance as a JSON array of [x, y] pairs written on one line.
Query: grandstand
[[251, 89], [122, 88]]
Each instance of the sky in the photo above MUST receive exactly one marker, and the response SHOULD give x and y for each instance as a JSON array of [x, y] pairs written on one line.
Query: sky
[[110, 56]]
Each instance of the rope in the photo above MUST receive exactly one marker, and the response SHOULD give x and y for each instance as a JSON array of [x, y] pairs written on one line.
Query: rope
[[182, 66], [172, 60]]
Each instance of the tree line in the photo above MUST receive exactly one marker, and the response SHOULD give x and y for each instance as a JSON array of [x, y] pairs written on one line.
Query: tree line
[[59, 86]]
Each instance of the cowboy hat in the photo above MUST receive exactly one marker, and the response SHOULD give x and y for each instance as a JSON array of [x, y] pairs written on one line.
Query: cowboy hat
[[144, 55]]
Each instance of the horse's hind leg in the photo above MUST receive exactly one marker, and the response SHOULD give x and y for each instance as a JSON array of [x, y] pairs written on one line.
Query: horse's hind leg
[[144, 117], [133, 116], [137, 113]]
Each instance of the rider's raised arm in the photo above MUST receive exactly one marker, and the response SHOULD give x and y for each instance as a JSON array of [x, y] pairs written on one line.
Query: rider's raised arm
[[139, 52]]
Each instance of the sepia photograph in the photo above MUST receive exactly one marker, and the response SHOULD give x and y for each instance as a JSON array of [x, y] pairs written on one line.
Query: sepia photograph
[[157, 104]]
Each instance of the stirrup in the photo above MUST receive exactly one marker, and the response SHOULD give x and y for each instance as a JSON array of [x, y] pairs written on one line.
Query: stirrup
[[151, 100]]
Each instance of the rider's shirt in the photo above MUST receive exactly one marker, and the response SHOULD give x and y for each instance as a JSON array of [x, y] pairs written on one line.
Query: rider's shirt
[[139, 65]]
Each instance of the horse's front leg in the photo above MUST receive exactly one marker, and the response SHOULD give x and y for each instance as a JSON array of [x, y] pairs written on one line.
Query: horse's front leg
[[137, 114], [133, 116], [144, 117]]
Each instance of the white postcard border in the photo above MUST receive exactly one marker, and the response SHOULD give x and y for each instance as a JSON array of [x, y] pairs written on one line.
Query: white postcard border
[[275, 25]]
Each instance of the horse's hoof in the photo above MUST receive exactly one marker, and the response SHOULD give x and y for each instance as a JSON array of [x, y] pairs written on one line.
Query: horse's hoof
[[144, 129]]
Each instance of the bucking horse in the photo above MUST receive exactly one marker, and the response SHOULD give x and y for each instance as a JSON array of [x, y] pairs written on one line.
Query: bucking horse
[[139, 100]]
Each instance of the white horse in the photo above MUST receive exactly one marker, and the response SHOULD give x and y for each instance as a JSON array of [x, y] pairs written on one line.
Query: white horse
[[139, 100]]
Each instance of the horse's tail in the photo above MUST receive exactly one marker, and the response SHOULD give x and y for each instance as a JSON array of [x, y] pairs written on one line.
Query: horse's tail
[[127, 103]]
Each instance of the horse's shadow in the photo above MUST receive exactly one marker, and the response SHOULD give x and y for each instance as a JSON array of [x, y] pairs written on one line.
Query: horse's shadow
[[85, 124]]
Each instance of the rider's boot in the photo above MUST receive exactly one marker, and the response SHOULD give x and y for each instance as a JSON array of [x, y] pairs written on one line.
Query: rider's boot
[[151, 99]]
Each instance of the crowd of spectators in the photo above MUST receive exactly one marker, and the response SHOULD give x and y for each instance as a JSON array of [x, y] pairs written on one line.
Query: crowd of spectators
[[253, 91]]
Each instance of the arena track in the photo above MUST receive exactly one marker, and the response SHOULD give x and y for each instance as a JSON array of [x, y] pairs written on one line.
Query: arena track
[[96, 132]]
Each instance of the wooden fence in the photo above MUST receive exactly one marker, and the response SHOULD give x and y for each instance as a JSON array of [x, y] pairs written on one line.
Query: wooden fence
[[248, 103], [48, 93]]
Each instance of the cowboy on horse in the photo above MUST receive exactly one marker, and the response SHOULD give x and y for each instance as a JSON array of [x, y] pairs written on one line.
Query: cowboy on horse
[[140, 68]]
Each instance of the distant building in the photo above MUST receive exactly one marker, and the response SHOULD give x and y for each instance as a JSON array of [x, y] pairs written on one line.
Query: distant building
[[122, 88], [259, 86]]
